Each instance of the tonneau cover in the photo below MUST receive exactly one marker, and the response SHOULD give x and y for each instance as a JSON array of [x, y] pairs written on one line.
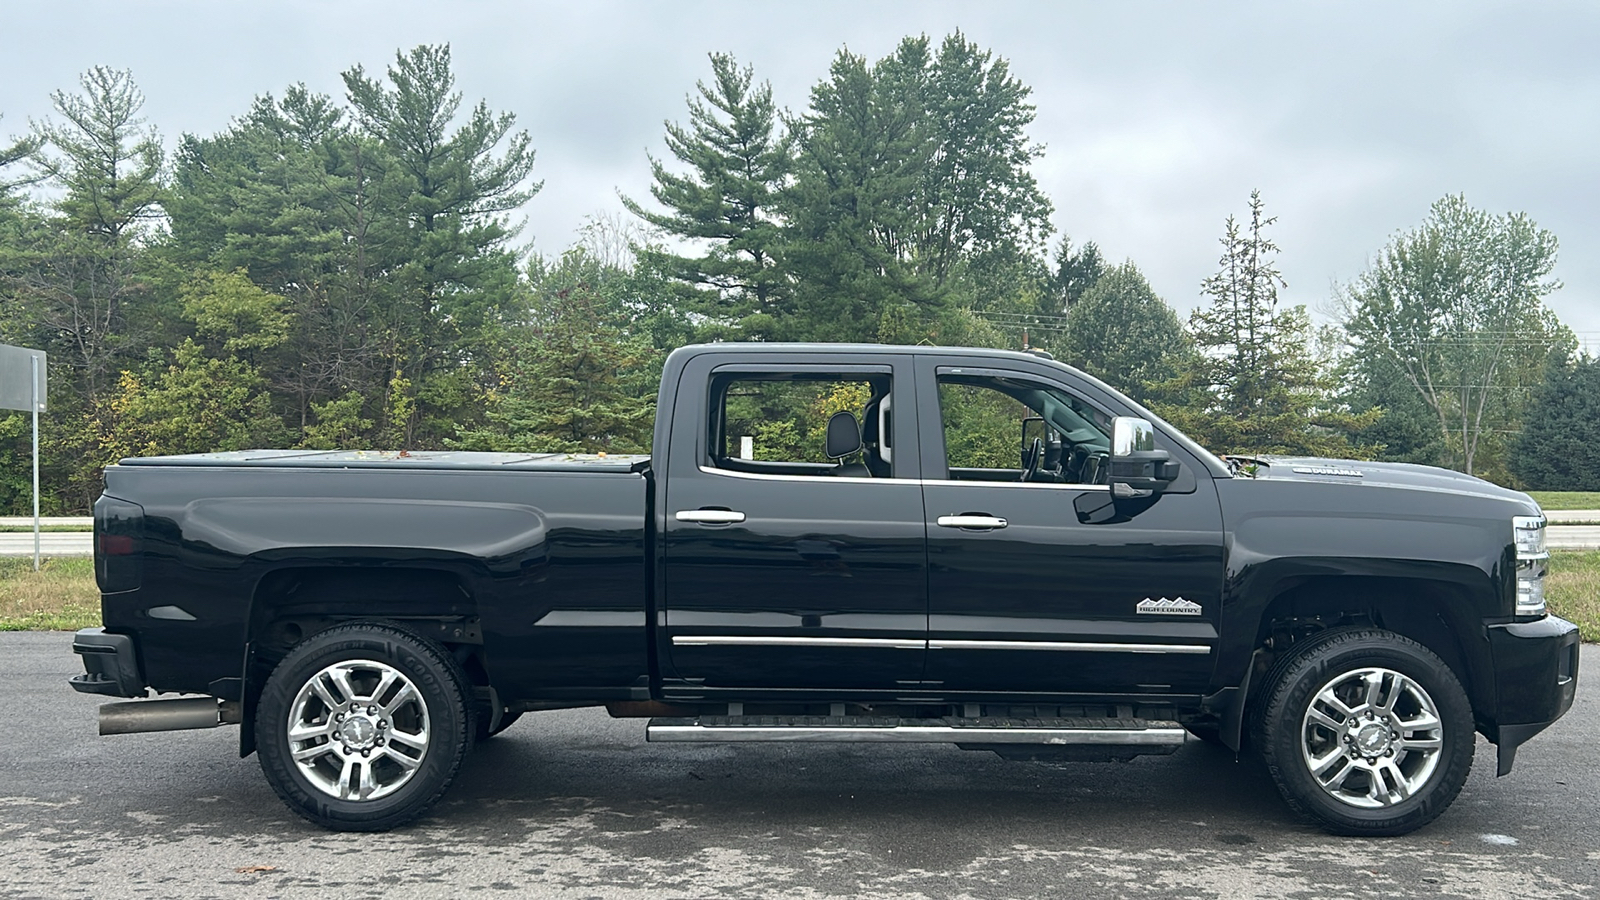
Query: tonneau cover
[[403, 459]]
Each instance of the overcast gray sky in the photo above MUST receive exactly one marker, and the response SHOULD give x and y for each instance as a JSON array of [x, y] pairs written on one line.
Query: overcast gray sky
[[1158, 118]]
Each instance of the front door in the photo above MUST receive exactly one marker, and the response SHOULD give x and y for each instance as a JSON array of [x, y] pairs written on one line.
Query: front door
[[1033, 587], [787, 568]]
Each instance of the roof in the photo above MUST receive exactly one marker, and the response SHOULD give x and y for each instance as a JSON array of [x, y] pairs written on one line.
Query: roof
[[918, 349]]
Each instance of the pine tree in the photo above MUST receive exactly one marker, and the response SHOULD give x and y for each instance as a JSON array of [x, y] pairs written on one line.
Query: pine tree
[[1076, 271], [739, 161], [913, 194], [1559, 447], [571, 382], [21, 149], [1255, 385], [80, 280], [451, 284]]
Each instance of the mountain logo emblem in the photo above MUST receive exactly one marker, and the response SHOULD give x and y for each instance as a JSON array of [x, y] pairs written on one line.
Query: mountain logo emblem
[[1165, 607]]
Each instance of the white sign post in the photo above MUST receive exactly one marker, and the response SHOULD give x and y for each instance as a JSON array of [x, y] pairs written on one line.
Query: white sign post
[[35, 367], [23, 386]]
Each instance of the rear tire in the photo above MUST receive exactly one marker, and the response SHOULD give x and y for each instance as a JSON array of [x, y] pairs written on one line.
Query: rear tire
[[363, 726], [1365, 732]]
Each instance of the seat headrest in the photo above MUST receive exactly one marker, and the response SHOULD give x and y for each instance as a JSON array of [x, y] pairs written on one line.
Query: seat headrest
[[844, 435]]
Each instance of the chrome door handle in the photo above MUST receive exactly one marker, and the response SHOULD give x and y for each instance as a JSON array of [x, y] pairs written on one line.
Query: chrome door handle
[[709, 516], [971, 522]]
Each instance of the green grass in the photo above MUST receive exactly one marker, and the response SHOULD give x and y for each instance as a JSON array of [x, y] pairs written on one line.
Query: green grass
[[14, 529], [1567, 499], [61, 596], [1573, 589]]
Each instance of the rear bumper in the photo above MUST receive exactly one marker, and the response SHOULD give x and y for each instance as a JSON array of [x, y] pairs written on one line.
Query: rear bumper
[[1536, 677], [110, 664]]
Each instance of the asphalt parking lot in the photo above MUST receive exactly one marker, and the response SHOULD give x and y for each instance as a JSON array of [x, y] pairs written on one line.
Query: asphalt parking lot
[[574, 804]]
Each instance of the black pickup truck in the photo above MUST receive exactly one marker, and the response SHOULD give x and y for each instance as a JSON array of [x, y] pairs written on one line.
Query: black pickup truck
[[837, 543]]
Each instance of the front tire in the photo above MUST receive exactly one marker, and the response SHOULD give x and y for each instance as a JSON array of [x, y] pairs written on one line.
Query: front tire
[[1366, 732], [363, 726]]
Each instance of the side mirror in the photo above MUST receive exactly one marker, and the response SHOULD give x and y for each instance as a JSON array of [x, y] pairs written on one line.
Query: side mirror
[[1138, 469]]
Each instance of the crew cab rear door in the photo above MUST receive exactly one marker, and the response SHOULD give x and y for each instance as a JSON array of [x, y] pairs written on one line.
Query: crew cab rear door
[[785, 569], [1035, 587]]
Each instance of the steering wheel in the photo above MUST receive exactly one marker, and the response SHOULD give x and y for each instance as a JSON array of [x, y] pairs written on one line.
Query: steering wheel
[[1032, 460]]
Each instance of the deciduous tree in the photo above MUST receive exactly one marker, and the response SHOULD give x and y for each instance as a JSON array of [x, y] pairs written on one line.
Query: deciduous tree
[[1455, 309], [1122, 333]]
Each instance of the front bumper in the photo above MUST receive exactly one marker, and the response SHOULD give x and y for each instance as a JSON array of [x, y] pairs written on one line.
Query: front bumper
[[110, 664], [1536, 677]]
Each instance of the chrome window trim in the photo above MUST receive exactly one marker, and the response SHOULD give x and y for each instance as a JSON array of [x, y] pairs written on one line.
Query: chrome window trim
[[734, 640], [1020, 484], [1080, 646], [806, 479], [834, 479]]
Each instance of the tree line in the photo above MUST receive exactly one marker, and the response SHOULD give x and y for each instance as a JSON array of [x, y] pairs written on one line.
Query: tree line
[[348, 272]]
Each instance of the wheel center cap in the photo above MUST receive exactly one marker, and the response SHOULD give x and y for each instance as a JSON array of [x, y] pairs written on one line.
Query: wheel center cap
[[1373, 738], [358, 731]]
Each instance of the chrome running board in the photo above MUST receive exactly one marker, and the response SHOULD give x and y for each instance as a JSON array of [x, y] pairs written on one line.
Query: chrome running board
[[1157, 736]]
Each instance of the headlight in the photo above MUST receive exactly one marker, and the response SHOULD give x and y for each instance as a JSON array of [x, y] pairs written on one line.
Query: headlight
[[1527, 533]]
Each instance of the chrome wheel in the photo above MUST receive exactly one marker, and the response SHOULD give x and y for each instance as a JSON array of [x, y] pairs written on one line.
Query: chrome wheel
[[1371, 737], [358, 730]]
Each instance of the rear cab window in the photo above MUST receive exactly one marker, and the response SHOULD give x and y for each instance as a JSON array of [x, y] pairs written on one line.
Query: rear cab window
[[779, 423]]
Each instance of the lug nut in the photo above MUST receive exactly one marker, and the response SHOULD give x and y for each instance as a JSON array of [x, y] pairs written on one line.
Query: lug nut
[[366, 753]]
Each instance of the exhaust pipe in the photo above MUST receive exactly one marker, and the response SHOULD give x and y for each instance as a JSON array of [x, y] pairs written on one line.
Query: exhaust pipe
[[168, 715]]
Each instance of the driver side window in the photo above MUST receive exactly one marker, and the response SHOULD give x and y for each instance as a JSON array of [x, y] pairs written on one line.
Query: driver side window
[[982, 427], [1005, 429]]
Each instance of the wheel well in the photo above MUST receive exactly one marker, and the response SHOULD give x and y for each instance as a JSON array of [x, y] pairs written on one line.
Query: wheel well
[[1435, 615], [291, 604]]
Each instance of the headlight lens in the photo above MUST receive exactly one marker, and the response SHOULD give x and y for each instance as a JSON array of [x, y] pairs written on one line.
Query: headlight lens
[[1527, 532]]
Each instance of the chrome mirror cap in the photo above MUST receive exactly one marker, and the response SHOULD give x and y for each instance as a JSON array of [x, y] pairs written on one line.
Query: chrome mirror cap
[[1130, 435]]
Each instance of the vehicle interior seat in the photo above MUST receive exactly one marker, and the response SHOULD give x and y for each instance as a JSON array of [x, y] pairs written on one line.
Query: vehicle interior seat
[[872, 441], [843, 441]]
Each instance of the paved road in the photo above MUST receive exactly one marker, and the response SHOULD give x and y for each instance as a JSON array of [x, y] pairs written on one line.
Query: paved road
[[51, 543], [1573, 537], [573, 804]]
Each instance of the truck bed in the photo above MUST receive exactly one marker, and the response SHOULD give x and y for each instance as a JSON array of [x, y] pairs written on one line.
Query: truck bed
[[404, 459], [543, 554]]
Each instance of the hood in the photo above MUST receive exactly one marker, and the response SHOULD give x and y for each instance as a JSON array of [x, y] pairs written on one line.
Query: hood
[[1380, 474]]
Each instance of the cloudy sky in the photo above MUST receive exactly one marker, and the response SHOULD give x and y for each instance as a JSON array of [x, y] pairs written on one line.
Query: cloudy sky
[[1158, 119]]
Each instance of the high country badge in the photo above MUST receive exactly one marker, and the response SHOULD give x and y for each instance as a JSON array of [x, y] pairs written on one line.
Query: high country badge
[[1165, 607]]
